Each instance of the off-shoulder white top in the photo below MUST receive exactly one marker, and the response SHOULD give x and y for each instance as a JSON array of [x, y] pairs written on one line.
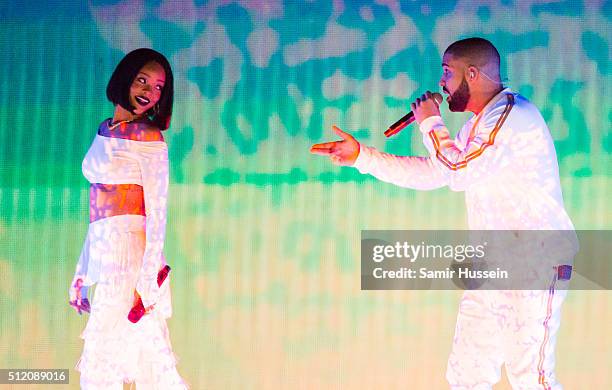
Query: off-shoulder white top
[[114, 160]]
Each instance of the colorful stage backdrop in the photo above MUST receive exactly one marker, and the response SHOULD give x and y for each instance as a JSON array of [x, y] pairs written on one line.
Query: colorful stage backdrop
[[263, 237]]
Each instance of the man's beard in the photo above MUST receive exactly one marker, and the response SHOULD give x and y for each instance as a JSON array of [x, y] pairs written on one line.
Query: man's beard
[[459, 99]]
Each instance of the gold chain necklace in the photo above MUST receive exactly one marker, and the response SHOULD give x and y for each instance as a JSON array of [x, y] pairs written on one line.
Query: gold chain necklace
[[113, 126]]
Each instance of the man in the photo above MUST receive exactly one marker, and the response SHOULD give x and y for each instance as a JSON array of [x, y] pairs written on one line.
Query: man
[[504, 160]]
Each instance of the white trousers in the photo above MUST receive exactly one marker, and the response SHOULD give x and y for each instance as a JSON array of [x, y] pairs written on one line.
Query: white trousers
[[517, 328]]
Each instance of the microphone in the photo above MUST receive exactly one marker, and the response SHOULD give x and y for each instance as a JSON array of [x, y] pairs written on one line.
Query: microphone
[[408, 118]]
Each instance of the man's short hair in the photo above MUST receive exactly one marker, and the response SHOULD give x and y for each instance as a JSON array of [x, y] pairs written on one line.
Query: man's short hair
[[476, 51]]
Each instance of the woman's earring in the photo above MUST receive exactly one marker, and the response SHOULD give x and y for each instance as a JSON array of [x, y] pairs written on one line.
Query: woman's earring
[[156, 109]]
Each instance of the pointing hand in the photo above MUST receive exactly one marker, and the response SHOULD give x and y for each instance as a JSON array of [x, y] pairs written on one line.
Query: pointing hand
[[343, 152]]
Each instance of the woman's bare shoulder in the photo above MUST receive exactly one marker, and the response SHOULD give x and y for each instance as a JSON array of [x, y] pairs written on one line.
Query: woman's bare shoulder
[[144, 131], [149, 132]]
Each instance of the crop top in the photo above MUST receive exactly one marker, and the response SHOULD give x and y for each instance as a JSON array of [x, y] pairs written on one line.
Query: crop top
[[113, 160]]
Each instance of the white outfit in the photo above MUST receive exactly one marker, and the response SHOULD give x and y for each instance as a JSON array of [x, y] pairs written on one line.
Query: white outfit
[[122, 253], [504, 160]]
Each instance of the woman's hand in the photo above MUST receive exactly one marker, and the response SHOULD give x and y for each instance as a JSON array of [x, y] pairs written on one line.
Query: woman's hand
[[77, 301], [138, 301]]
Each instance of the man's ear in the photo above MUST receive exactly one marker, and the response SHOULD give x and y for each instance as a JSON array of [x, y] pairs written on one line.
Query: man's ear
[[472, 73]]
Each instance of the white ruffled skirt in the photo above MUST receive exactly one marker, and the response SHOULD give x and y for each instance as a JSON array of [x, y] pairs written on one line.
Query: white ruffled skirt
[[117, 351]]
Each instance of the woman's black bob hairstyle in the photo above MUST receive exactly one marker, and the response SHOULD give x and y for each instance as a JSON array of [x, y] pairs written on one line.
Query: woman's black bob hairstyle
[[118, 88]]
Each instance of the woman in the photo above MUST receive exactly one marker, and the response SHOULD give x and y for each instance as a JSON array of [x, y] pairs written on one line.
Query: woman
[[127, 166]]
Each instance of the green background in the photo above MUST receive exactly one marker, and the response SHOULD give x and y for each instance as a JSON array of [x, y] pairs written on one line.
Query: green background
[[262, 236]]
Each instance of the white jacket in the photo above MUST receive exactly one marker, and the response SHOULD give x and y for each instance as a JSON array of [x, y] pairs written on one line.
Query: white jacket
[[503, 159]]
